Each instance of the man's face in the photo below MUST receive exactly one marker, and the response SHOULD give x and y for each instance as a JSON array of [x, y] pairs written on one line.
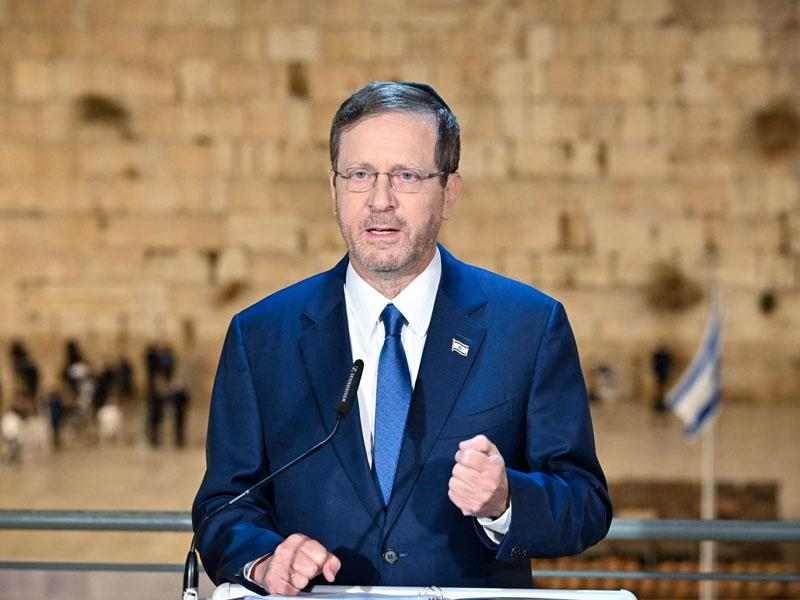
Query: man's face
[[390, 233]]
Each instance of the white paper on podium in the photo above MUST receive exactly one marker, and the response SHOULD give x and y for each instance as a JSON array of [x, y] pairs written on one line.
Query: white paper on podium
[[334, 592]]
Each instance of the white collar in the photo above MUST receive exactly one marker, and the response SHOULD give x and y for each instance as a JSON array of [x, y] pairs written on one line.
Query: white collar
[[415, 301]]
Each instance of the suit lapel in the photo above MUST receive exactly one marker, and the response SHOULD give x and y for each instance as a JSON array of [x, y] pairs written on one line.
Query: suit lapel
[[441, 374], [327, 358]]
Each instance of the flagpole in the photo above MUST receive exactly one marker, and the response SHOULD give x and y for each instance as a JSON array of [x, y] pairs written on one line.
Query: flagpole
[[695, 399], [708, 506], [708, 488]]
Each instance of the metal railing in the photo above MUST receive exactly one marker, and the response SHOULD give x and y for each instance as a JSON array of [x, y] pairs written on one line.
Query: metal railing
[[621, 529]]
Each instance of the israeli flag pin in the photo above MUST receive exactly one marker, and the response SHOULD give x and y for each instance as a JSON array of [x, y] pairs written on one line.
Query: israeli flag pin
[[459, 347]]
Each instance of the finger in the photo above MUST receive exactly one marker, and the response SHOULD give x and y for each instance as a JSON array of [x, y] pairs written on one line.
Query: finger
[[459, 502], [315, 551], [475, 460], [291, 543], [465, 492], [476, 480], [460, 487], [277, 582], [283, 588], [469, 498], [480, 443], [464, 474], [463, 457], [286, 551], [298, 580], [290, 568], [305, 566], [331, 568]]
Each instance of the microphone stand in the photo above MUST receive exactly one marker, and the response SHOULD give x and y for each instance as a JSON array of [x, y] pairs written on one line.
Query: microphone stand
[[191, 569]]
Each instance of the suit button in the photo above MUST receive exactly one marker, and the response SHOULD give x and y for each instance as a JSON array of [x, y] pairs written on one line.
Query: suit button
[[390, 556], [516, 552]]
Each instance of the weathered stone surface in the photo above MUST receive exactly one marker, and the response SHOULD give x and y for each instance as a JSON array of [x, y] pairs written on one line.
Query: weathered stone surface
[[599, 138]]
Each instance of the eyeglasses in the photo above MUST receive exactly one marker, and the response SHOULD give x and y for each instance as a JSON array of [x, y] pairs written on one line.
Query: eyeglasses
[[405, 180]]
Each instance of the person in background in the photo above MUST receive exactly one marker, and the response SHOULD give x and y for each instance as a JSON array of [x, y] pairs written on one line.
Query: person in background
[[661, 363]]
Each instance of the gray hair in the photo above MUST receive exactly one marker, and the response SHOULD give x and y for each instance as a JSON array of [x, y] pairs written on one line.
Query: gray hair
[[416, 98]]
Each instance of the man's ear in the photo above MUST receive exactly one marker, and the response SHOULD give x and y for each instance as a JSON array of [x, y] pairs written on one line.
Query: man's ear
[[451, 193], [332, 181]]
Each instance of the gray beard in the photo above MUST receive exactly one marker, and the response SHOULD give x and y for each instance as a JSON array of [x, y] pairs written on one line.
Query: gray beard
[[421, 245]]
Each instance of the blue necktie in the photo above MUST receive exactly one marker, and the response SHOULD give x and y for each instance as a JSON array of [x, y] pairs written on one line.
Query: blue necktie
[[392, 400]]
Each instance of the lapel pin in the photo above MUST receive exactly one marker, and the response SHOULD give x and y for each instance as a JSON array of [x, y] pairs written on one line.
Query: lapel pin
[[459, 347]]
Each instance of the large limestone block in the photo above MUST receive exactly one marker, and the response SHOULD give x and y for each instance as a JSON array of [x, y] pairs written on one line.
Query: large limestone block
[[543, 159], [321, 235], [304, 161], [205, 232], [83, 299], [487, 159], [572, 270], [634, 11], [735, 43], [309, 199], [53, 266], [26, 43], [264, 231], [295, 42], [241, 81], [659, 42], [638, 161], [592, 41], [358, 43], [19, 234], [624, 233], [148, 80], [263, 118], [106, 43], [222, 44], [17, 160], [31, 80], [113, 266], [133, 12], [176, 267], [541, 42], [270, 272], [197, 79]]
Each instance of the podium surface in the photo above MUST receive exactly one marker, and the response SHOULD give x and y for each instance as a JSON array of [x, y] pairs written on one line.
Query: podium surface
[[229, 591]]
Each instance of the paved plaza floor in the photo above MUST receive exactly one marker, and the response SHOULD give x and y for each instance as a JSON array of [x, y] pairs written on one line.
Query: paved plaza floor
[[754, 444]]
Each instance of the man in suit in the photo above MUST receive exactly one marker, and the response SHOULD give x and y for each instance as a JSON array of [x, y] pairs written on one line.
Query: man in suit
[[470, 449]]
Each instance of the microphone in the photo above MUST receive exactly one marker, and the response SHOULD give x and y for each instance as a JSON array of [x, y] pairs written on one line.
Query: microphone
[[191, 570], [345, 404]]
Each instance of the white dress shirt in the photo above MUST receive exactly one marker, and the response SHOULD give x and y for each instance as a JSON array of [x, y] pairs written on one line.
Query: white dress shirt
[[367, 333], [364, 307]]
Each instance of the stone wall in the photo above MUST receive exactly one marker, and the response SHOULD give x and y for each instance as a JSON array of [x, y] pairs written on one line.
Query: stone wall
[[163, 163]]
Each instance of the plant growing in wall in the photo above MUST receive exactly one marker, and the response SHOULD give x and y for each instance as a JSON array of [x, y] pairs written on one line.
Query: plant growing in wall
[[767, 302], [102, 110], [777, 130], [668, 289]]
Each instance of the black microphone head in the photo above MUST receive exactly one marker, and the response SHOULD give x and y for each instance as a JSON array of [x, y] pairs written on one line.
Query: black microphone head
[[345, 404]]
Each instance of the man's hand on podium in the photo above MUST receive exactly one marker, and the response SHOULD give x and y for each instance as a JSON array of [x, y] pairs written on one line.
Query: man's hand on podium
[[479, 485], [295, 562]]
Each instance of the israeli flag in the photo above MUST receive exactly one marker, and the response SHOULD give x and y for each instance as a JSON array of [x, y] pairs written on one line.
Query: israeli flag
[[695, 398]]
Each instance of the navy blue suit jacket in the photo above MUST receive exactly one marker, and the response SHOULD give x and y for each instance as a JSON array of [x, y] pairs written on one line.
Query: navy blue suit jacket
[[282, 369]]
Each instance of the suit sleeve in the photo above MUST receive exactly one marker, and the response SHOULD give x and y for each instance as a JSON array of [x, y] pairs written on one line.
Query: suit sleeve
[[560, 498], [235, 460]]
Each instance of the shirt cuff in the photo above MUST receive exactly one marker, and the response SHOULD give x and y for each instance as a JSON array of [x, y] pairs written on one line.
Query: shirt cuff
[[248, 568], [496, 529]]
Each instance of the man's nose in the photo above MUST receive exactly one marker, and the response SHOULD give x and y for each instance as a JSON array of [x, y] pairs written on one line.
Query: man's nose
[[382, 196]]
